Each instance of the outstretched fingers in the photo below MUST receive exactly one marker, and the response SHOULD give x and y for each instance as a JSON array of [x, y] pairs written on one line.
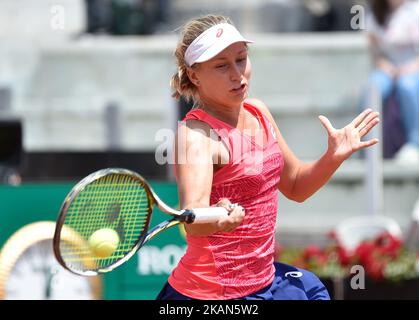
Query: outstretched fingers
[[361, 117], [370, 123], [366, 144]]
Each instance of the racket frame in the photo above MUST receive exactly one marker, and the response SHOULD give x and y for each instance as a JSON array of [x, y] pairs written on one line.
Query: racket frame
[[178, 216]]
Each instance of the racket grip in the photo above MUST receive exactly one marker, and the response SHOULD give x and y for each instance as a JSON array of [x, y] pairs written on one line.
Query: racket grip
[[205, 215]]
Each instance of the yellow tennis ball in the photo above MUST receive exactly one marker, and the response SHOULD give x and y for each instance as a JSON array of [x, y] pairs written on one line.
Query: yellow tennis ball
[[104, 242]]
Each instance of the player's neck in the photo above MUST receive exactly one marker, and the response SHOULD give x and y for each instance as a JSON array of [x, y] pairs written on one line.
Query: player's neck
[[227, 113]]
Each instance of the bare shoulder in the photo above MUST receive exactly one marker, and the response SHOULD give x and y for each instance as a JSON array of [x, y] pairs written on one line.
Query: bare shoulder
[[258, 103], [194, 126], [191, 131], [261, 106]]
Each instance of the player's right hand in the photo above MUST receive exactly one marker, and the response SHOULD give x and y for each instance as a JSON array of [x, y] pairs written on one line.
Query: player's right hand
[[234, 218]]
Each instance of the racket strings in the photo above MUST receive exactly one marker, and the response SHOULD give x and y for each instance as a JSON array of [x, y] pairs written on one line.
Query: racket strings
[[116, 201]]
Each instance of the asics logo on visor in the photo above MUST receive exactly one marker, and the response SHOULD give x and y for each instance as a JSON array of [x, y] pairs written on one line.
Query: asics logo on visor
[[219, 32]]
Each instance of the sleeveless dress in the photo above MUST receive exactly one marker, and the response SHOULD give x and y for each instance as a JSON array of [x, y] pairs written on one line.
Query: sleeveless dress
[[235, 264]]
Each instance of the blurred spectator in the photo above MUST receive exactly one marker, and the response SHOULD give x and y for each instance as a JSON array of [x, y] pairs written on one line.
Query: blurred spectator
[[162, 11], [303, 15], [99, 16], [125, 17], [323, 14], [393, 28], [132, 17], [329, 15], [10, 176], [11, 151]]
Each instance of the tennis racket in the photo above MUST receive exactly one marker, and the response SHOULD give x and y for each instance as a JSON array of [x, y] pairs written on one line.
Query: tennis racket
[[120, 200]]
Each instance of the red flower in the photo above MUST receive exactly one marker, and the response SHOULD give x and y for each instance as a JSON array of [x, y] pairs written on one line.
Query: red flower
[[375, 269], [364, 252], [374, 255], [312, 251], [389, 245], [313, 254], [343, 255]]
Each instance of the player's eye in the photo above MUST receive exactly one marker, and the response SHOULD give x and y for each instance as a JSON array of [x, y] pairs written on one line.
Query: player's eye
[[221, 66]]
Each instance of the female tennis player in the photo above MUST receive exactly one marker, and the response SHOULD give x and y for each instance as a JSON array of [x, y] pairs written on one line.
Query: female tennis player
[[228, 151]]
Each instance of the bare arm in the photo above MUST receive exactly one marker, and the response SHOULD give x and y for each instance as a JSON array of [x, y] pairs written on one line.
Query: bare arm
[[194, 163], [300, 180]]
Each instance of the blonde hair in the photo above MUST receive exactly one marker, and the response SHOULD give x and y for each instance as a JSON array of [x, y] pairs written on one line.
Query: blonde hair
[[180, 83]]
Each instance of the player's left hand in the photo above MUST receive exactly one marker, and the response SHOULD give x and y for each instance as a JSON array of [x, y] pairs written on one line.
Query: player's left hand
[[342, 143]]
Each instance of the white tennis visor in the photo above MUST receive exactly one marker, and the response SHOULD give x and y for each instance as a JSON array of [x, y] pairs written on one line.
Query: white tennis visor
[[211, 42]]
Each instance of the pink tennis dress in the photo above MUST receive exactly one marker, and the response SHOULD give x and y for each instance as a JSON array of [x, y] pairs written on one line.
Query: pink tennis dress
[[232, 265]]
